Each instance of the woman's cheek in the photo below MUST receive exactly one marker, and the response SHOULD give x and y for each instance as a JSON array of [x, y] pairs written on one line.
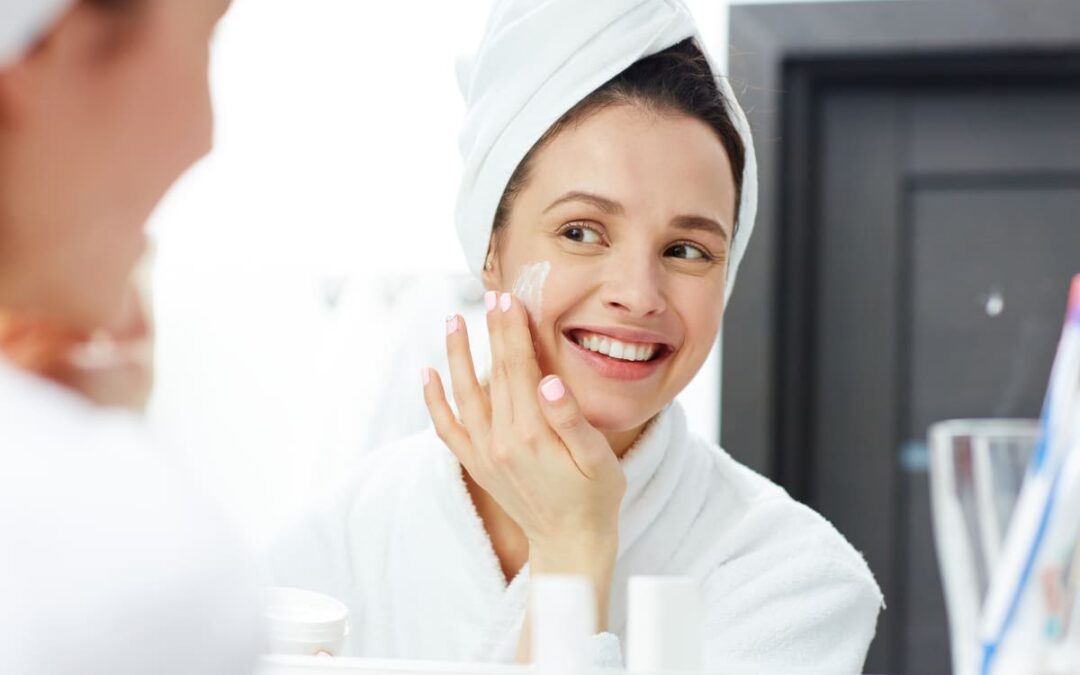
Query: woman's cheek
[[701, 308], [529, 288], [562, 297]]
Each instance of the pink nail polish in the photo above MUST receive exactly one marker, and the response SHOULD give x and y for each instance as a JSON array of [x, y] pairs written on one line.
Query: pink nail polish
[[490, 299], [425, 375], [452, 325], [505, 301], [553, 390]]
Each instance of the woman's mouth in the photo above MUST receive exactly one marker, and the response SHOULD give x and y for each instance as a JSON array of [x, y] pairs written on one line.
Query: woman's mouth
[[621, 359]]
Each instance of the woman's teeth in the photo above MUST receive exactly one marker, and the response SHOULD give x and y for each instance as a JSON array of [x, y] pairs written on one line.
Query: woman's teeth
[[623, 351]]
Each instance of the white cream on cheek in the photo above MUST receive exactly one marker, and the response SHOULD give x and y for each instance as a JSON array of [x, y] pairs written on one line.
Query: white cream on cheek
[[529, 288]]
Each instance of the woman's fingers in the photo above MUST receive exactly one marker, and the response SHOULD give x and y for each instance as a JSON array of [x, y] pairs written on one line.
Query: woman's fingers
[[502, 409], [468, 394], [588, 447], [519, 361], [449, 429]]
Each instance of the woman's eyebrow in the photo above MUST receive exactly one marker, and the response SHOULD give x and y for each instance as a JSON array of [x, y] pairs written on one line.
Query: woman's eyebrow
[[608, 206], [700, 223]]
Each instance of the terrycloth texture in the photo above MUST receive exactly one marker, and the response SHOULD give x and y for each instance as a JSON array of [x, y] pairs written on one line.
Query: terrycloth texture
[[536, 61], [23, 21], [110, 563], [403, 546]]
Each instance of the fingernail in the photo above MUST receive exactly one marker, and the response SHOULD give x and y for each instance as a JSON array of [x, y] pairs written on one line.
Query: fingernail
[[425, 375], [452, 324], [505, 302], [490, 299], [553, 389]]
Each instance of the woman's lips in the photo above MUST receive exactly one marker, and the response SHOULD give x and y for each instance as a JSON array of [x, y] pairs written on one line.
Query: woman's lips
[[619, 369]]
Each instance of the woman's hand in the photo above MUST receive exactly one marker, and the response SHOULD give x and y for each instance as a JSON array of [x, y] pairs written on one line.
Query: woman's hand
[[527, 444]]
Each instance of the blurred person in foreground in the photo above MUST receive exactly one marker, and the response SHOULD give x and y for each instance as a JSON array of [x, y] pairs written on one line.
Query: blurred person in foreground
[[111, 559], [111, 366]]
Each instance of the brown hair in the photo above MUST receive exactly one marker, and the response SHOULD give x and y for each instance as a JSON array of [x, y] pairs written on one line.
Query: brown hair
[[676, 80]]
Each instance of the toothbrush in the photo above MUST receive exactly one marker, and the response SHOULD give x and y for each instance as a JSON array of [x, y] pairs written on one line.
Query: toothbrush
[[1038, 497]]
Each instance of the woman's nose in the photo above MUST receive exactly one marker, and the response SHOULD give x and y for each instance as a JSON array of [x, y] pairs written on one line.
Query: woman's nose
[[635, 287]]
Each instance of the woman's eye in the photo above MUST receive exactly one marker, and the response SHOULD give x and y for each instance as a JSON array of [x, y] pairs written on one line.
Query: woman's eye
[[582, 234], [687, 252]]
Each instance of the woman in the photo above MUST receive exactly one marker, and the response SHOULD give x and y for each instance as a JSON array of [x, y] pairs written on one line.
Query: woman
[[111, 562], [608, 197]]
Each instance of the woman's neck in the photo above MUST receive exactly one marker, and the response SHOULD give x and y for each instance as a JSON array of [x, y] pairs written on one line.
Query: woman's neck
[[622, 441]]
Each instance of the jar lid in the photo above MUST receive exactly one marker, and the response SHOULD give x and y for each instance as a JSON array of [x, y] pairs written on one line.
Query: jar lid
[[298, 614]]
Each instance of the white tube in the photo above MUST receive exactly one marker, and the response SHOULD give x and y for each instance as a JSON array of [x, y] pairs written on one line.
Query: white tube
[[563, 620], [664, 631]]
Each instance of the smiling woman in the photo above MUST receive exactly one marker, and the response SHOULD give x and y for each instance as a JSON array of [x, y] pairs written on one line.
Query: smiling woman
[[609, 184]]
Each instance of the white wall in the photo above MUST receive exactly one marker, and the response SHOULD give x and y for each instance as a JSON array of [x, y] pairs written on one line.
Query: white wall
[[335, 168]]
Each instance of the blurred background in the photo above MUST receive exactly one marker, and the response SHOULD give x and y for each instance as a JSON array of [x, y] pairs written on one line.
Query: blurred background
[[920, 166]]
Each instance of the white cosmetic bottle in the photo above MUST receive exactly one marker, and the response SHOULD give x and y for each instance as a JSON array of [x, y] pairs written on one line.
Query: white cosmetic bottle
[[664, 631], [563, 619]]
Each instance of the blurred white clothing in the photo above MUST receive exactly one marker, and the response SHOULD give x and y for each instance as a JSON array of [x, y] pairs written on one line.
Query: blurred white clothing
[[111, 561]]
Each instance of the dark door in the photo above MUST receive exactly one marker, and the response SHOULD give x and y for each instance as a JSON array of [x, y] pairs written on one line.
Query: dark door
[[944, 227]]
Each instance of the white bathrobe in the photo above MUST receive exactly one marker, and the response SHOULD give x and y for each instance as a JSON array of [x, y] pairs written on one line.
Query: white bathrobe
[[111, 563], [404, 548]]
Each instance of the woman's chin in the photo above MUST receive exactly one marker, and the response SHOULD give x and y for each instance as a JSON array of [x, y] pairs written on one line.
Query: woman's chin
[[615, 417], [616, 409]]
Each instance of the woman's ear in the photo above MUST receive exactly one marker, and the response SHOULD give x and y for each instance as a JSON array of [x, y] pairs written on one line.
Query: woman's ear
[[492, 275]]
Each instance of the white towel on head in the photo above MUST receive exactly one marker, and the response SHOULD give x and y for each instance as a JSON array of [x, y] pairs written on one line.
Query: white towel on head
[[22, 22], [537, 60]]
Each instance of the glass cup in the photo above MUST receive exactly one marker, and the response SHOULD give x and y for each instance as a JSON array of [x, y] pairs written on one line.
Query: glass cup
[[976, 470]]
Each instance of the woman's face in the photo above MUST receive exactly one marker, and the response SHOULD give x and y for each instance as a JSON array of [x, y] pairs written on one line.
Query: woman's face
[[633, 213], [96, 123]]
